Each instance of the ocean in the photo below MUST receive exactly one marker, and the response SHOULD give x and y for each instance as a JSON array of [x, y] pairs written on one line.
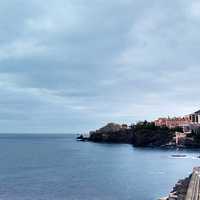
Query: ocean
[[57, 167]]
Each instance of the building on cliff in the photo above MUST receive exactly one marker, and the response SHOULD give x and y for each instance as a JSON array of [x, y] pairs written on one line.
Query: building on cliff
[[173, 122], [180, 137], [195, 117], [188, 122]]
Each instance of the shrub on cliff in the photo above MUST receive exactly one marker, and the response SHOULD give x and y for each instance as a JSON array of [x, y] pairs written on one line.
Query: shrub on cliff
[[147, 134], [121, 136], [147, 137], [141, 134], [112, 133]]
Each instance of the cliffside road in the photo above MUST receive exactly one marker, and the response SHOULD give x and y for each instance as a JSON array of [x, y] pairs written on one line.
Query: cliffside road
[[193, 192]]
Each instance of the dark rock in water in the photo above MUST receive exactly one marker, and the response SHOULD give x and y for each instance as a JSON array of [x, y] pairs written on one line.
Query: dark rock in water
[[81, 138]]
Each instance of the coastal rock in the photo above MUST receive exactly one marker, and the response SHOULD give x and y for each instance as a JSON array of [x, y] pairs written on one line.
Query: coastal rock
[[152, 138], [143, 134], [180, 189], [114, 133], [110, 127], [82, 138]]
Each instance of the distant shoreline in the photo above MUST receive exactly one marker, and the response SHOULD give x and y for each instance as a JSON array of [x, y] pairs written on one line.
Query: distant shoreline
[[143, 134]]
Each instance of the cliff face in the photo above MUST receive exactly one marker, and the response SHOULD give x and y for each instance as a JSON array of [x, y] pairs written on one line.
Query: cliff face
[[112, 133], [151, 138], [110, 128], [141, 135]]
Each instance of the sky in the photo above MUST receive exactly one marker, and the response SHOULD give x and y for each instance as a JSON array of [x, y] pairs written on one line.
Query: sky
[[70, 66]]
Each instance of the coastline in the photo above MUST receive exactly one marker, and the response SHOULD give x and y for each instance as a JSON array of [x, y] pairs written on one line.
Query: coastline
[[179, 191], [144, 134], [148, 135]]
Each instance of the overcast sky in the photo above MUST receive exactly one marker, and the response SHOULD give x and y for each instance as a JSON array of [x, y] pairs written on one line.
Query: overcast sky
[[74, 65]]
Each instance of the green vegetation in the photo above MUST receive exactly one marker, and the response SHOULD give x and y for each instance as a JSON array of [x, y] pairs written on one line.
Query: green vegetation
[[147, 134], [140, 134], [196, 135], [143, 134]]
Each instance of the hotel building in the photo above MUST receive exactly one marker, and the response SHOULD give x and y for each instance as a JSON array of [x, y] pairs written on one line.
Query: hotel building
[[195, 117], [188, 122]]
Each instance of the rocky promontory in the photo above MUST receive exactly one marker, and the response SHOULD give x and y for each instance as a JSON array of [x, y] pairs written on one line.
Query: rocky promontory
[[142, 134], [113, 133]]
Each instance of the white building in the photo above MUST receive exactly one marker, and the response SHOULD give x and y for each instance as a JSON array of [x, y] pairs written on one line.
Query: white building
[[195, 117]]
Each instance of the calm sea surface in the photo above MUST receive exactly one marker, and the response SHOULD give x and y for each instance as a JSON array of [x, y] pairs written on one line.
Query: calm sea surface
[[56, 167]]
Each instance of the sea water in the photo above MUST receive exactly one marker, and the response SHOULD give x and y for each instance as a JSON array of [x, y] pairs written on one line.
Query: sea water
[[57, 167]]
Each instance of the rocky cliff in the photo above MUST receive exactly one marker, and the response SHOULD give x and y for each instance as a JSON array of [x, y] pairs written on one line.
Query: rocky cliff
[[112, 132], [143, 134]]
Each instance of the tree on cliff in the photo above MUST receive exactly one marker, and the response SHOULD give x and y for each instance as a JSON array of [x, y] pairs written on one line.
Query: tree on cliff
[[147, 134]]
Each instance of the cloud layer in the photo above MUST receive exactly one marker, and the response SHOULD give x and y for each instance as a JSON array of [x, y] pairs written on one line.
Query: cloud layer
[[71, 66]]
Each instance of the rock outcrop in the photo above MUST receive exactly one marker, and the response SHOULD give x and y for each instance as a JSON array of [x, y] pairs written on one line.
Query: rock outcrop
[[143, 134], [152, 138], [112, 132], [180, 189]]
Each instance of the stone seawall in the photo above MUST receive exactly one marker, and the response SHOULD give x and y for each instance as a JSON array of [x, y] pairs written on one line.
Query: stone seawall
[[179, 190]]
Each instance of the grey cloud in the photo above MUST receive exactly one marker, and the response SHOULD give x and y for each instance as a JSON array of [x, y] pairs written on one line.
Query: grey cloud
[[68, 66]]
